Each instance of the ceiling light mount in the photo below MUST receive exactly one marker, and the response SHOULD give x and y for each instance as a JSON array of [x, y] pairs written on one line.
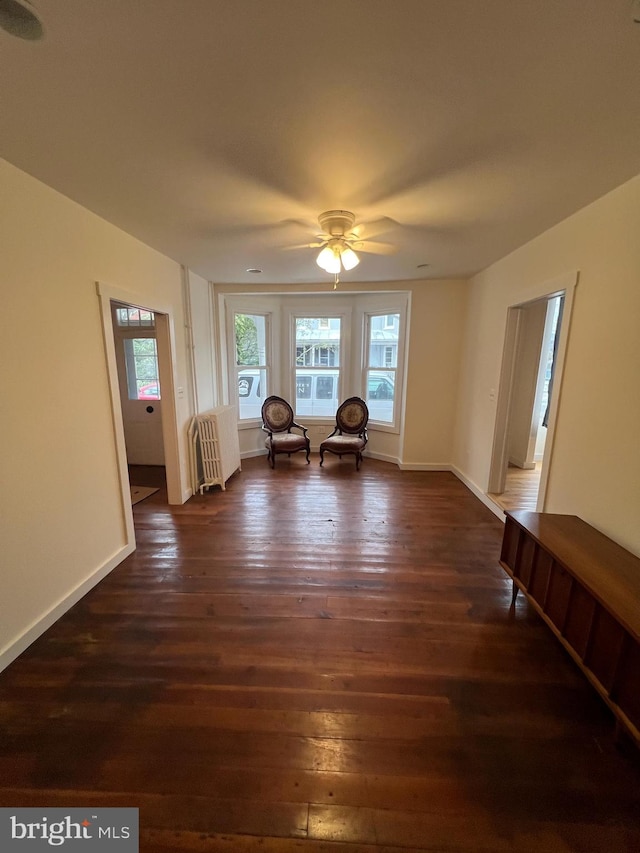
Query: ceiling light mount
[[336, 253], [337, 223]]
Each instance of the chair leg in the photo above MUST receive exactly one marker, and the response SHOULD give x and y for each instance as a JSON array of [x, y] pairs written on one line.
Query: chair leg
[[308, 460], [358, 458], [321, 457]]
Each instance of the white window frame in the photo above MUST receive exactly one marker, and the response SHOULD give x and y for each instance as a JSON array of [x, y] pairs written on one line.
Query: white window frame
[[384, 309], [263, 366], [281, 310], [258, 308], [130, 323], [130, 359], [324, 317]]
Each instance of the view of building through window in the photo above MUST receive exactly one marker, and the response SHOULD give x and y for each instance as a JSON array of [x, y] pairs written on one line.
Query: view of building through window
[[382, 363], [317, 365]]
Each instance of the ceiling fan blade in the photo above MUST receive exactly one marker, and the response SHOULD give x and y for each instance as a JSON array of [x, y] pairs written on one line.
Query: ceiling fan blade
[[305, 246], [371, 228], [374, 248]]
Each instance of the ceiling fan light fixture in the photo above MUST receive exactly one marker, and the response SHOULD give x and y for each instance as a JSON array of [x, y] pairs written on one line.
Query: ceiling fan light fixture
[[349, 258], [329, 260]]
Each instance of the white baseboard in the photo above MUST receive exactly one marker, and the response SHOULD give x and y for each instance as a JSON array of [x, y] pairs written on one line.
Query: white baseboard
[[477, 491], [20, 644], [248, 454], [521, 463], [446, 466], [382, 457], [428, 466]]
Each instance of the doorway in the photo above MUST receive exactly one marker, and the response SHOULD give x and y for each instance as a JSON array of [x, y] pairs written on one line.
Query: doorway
[[166, 366], [135, 340], [533, 357]]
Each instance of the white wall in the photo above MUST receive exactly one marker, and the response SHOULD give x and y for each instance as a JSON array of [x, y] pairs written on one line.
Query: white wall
[[200, 312], [435, 342], [62, 521], [595, 467]]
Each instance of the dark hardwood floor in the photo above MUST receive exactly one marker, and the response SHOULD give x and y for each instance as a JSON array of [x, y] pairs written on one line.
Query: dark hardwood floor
[[318, 660], [154, 476]]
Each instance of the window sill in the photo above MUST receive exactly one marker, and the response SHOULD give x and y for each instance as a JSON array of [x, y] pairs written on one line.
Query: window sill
[[253, 423], [377, 426]]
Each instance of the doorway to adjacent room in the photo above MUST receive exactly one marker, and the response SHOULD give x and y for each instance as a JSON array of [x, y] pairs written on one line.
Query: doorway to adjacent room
[[533, 356]]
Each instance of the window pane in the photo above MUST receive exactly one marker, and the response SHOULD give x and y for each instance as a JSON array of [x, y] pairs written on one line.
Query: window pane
[[317, 359], [381, 394], [316, 392], [383, 340], [141, 359], [250, 332], [251, 349], [318, 341], [303, 387], [303, 355], [135, 317], [251, 385], [324, 386]]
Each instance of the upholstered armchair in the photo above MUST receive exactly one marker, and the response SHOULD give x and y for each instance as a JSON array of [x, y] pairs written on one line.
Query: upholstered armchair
[[350, 433], [277, 422]]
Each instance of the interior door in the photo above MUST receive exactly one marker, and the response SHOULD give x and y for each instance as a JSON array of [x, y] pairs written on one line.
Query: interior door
[[140, 393]]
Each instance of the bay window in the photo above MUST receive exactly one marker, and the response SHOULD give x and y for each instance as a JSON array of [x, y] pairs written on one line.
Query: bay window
[[315, 352]]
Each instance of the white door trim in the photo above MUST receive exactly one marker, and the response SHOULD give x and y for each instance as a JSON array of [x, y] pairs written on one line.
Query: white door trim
[[166, 364], [564, 285]]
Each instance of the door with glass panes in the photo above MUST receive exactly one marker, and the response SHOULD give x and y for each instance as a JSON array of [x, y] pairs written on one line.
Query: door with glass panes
[[140, 397]]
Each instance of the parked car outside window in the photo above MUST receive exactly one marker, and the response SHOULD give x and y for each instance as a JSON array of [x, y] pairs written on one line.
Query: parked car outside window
[[149, 391]]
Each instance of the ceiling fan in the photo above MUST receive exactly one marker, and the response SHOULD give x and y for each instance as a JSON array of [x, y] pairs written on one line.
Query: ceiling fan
[[340, 239]]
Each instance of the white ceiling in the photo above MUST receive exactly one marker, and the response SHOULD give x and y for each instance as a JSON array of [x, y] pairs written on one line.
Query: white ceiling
[[214, 129]]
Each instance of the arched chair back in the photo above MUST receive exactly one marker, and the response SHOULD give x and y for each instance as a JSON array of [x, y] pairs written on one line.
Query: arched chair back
[[350, 433], [278, 422]]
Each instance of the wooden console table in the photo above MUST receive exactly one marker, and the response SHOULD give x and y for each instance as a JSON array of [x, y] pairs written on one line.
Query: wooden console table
[[587, 589]]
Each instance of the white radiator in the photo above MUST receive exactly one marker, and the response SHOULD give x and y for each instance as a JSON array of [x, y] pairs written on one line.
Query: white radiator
[[215, 452]]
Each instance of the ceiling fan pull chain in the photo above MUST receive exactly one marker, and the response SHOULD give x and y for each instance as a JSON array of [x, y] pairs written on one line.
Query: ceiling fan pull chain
[[336, 281]]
